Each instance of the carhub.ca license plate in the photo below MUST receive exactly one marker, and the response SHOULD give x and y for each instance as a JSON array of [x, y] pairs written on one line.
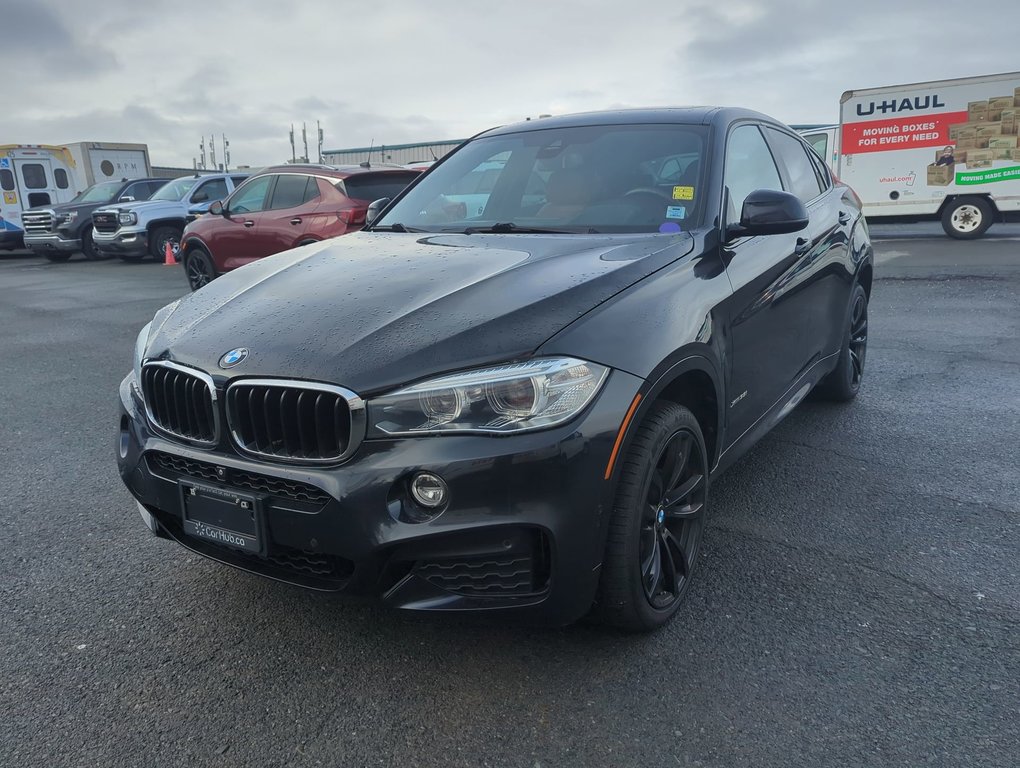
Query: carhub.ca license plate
[[222, 516]]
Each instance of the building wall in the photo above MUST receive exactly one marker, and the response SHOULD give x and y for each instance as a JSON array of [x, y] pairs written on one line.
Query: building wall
[[398, 153]]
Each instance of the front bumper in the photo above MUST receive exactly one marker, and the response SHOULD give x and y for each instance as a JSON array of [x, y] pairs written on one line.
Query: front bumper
[[52, 242], [121, 243], [524, 531]]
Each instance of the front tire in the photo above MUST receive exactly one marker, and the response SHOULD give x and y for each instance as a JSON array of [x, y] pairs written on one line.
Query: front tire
[[88, 247], [967, 218], [844, 382], [657, 521], [158, 241], [199, 268]]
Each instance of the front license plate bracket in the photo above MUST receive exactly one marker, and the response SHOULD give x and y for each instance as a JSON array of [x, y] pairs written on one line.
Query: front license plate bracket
[[223, 516]]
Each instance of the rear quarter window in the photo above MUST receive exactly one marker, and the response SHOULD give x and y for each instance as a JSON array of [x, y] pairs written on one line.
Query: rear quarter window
[[373, 186]]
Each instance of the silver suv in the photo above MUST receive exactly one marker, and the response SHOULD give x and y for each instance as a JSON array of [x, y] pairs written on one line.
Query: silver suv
[[135, 230]]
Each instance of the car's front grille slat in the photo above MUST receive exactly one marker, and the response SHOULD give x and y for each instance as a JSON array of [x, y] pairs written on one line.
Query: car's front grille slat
[[294, 421], [37, 222], [180, 402]]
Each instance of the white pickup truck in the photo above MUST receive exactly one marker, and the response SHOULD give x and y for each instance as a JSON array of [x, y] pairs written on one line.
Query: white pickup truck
[[135, 230]]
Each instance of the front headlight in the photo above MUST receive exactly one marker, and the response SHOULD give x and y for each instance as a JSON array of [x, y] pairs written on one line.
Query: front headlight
[[128, 218], [67, 218], [516, 397], [140, 343]]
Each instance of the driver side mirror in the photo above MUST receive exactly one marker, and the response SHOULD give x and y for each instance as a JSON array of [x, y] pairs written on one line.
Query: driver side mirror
[[769, 212], [126, 199], [374, 209], [200, 197], [217, 209]]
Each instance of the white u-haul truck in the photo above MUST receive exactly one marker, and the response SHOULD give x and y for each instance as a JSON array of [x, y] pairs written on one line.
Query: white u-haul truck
[[33, 175], [945, 150]]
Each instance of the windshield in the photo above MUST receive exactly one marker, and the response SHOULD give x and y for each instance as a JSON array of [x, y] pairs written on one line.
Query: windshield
[[175, 190], [99, 193], [605, 178]]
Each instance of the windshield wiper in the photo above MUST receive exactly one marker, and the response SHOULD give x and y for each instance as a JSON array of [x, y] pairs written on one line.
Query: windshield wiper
[[505, 227], [397, 227]]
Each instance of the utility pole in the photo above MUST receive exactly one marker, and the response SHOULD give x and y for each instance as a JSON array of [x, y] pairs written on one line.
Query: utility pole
[[212, 151], [293, 152], [304, 138], [201, 146], [319, 127], [226, 152]]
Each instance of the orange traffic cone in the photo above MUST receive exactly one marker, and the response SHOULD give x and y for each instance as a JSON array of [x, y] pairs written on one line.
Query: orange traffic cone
[[168, 258]]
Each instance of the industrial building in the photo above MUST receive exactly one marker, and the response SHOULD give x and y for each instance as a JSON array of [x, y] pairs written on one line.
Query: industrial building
[[391, 153]]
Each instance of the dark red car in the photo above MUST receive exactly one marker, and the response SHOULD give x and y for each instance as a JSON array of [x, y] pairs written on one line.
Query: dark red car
[[281, 208]]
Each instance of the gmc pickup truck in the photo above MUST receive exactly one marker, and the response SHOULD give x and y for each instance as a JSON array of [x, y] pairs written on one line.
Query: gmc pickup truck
[[135, 230]]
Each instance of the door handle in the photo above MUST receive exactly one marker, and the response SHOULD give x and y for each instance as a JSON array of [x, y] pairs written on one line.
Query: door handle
[[296, 220], [803, 246], [249, 223], [844, 217]]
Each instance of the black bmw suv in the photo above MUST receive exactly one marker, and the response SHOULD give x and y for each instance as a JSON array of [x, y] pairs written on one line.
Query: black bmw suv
[[512, 399]]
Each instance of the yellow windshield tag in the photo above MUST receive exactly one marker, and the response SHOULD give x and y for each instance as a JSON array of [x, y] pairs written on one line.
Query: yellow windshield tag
[[683, 193]]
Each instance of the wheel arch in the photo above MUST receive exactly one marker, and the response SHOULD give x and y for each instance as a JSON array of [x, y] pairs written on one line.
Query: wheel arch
[[175, 223]]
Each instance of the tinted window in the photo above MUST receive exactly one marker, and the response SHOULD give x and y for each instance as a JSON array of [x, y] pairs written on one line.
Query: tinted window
[[211, 190], [800, 169], [176, 189], [819, 143], [749, 166], [373, 186], [251, 196], [290, 191], [822, 171], [312, 190], [34, 175], [138, 191], [238, 180], [151, 187], [6, 180], [60, 176]]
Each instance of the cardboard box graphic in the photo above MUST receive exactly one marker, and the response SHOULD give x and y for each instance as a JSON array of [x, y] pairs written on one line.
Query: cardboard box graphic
[[997, 104], [1008, 121], [977, 110], [1002, 142], [1016, 96], [954, 130], [1014, 154], [979, 159], [990, 129], [940, 175], [981, 142], [1000, 153], [961, 154]]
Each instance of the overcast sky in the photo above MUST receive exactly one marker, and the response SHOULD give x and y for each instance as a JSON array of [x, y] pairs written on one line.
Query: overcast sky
[[167, 72]]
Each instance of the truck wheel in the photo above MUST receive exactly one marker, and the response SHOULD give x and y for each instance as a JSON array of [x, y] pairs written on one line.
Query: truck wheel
[[88, 247], [160, 237], [967, 218], [199, 267], [657, 521], [58, 257]]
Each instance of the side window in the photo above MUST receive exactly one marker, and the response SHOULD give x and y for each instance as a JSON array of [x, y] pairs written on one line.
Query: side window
[[289, 192], [251, 197], [6, 180], [822, 171], [137, 191], [151, 187], [819, 143], [238, 180], [34, 175], [794, 155], [749, 166], [60, 177], [312, 191], [210, 191]]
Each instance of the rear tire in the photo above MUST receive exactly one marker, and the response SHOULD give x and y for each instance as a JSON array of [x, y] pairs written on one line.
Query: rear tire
[[657, 522], [844, 382], [160, 237], [199, 268], [967, 218]]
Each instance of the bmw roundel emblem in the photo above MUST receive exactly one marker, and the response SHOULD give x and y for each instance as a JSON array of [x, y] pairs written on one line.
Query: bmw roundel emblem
[[233, 357]]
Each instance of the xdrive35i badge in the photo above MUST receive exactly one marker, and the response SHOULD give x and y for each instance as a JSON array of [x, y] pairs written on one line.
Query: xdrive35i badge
[[233, 357]]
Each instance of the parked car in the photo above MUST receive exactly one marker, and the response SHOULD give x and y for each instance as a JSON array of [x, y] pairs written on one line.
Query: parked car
[[58, 231], [284, 207], [518, 411], [136, 230]]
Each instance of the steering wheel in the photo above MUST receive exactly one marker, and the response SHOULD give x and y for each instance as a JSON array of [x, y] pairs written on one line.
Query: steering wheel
[[647, 191]]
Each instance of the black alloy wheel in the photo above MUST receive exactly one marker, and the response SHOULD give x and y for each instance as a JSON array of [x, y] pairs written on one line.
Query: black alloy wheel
[[199, 268], [844, 382], [658, 521]]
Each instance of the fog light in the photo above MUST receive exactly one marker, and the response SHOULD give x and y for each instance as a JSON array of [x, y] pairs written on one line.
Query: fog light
[[429, 490]]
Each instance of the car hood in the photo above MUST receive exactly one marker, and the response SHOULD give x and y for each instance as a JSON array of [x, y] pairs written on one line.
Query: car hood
[[370, 310], [145, 205], [68, 207]]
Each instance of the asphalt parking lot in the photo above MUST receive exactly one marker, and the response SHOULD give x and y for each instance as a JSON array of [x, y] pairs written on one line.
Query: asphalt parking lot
[[858, 604]]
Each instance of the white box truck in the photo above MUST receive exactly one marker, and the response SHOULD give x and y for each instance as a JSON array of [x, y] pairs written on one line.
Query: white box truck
[[33, 175], [945, 150]]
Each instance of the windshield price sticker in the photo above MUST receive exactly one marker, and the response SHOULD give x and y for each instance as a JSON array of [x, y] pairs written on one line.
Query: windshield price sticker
[[683, 193], [676, 212]]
